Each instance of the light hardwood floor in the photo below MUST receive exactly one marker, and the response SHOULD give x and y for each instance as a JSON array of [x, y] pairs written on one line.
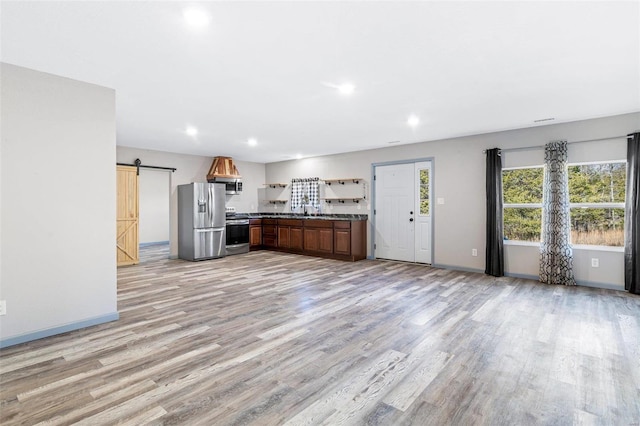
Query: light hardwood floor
[[271, 338]]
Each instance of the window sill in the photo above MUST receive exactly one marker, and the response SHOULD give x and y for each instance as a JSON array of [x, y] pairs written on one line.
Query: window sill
[[575, 247]]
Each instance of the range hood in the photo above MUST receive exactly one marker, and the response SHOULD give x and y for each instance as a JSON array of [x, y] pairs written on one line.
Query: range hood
[[224, 171]]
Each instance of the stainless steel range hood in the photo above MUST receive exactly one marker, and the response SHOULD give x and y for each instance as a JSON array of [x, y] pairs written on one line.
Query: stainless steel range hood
[[224, 171]]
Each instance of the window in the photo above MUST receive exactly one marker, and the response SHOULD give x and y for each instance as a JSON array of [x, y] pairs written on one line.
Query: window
[[424, 192], [596, 196], [597, 192], [522, 198]]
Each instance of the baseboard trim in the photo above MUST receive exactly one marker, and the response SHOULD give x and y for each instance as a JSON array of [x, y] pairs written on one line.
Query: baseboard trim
[[457, 268], [153, 243], [523, 276], [606, 286], [23, 338]]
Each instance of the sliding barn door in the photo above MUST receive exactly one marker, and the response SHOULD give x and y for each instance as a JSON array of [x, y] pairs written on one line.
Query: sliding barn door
[[128, 216]]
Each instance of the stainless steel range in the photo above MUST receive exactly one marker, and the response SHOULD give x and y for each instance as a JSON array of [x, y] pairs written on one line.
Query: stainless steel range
[[237, 230]]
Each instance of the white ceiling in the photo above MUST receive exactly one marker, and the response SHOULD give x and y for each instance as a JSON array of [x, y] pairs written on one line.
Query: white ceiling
[[260, 69]]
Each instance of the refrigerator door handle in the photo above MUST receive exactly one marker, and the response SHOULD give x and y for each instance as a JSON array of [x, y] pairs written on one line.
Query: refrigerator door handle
[[210, 204]]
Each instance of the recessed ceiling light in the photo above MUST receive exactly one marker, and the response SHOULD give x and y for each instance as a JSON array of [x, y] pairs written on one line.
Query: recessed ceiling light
[[191, 131], [346, 89], [252, 142], [196, 18], [298, 156], [413, 120]]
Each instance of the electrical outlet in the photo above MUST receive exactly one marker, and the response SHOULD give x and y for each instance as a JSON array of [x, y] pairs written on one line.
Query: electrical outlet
[[3, 307], [595, 263], [474, 252], [440, 200]]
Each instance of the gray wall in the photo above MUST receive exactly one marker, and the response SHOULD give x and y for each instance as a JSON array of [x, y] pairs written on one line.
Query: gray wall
[[459, 178], [154, 194], [193, 168], [58, 223]]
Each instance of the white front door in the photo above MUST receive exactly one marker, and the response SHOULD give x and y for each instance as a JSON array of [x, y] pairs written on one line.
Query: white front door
[[394, 201], [403, 212]]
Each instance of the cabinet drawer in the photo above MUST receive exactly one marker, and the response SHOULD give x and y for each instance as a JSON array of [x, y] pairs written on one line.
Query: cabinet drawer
[[269, 230], [316, 223], [342, 224], [269, 241], [269, 221], [255, 221], [290, 222]]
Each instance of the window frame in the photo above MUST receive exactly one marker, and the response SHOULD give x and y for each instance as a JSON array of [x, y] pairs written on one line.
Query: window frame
[[609, 205], [521, 206]]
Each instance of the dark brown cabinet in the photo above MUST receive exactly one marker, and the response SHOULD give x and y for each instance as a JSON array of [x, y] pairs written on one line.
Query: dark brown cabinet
[[318, 236], [269, 233], [290, 234], [342, 238], [337, 239], [255, 233]]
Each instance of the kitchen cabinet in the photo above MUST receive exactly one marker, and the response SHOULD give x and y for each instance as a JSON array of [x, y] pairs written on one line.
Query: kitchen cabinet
[[342, 238], [290, 235], [269, 233], [318, 236], [255, 233], [336, 239]]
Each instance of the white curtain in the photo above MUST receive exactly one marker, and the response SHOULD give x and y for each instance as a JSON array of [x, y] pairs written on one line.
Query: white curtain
[[305, 191], [556, 254]]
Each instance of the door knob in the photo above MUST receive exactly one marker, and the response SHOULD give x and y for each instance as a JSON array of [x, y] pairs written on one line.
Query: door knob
[[411, 220], [411, 212]]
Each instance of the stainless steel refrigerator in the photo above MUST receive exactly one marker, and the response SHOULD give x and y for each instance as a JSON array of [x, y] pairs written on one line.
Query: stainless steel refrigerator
[[201, 221]]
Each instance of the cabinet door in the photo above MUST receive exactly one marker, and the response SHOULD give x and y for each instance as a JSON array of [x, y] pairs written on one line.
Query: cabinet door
[[295, 238], [283, 236], [325, 237], [311, 239], [342, 241], [255, 236]]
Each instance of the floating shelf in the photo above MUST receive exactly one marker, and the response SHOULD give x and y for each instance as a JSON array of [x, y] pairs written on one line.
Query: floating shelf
[[342, 181], [276, 185], [276, 201], [343, 199]]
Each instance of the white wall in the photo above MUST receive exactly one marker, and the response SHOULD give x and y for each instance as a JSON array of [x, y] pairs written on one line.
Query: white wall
[[154, 194], [193, 168], [459, 178], [58, 204]]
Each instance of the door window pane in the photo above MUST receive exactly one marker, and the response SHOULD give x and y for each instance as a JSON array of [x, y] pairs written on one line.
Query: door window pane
[[424, 192]]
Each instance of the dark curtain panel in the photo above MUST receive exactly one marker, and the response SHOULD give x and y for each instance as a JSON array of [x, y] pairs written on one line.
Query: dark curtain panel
[[494, 255], [632, 217], [556, 253]]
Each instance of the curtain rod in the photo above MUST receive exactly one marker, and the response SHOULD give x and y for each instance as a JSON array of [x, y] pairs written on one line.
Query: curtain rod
[[137, 164], [527, 148]]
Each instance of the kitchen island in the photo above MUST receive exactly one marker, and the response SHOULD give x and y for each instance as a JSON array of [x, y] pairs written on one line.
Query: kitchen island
[[339, 236]]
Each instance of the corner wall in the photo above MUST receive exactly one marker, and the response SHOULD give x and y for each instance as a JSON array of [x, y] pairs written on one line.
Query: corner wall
[[459, 178], [58, 265]]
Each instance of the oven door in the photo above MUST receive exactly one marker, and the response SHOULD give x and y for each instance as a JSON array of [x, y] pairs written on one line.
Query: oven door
[[237, 236]]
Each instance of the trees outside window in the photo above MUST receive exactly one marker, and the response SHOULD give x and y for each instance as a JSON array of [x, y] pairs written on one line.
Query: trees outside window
[[596, 194], [522, 200]]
